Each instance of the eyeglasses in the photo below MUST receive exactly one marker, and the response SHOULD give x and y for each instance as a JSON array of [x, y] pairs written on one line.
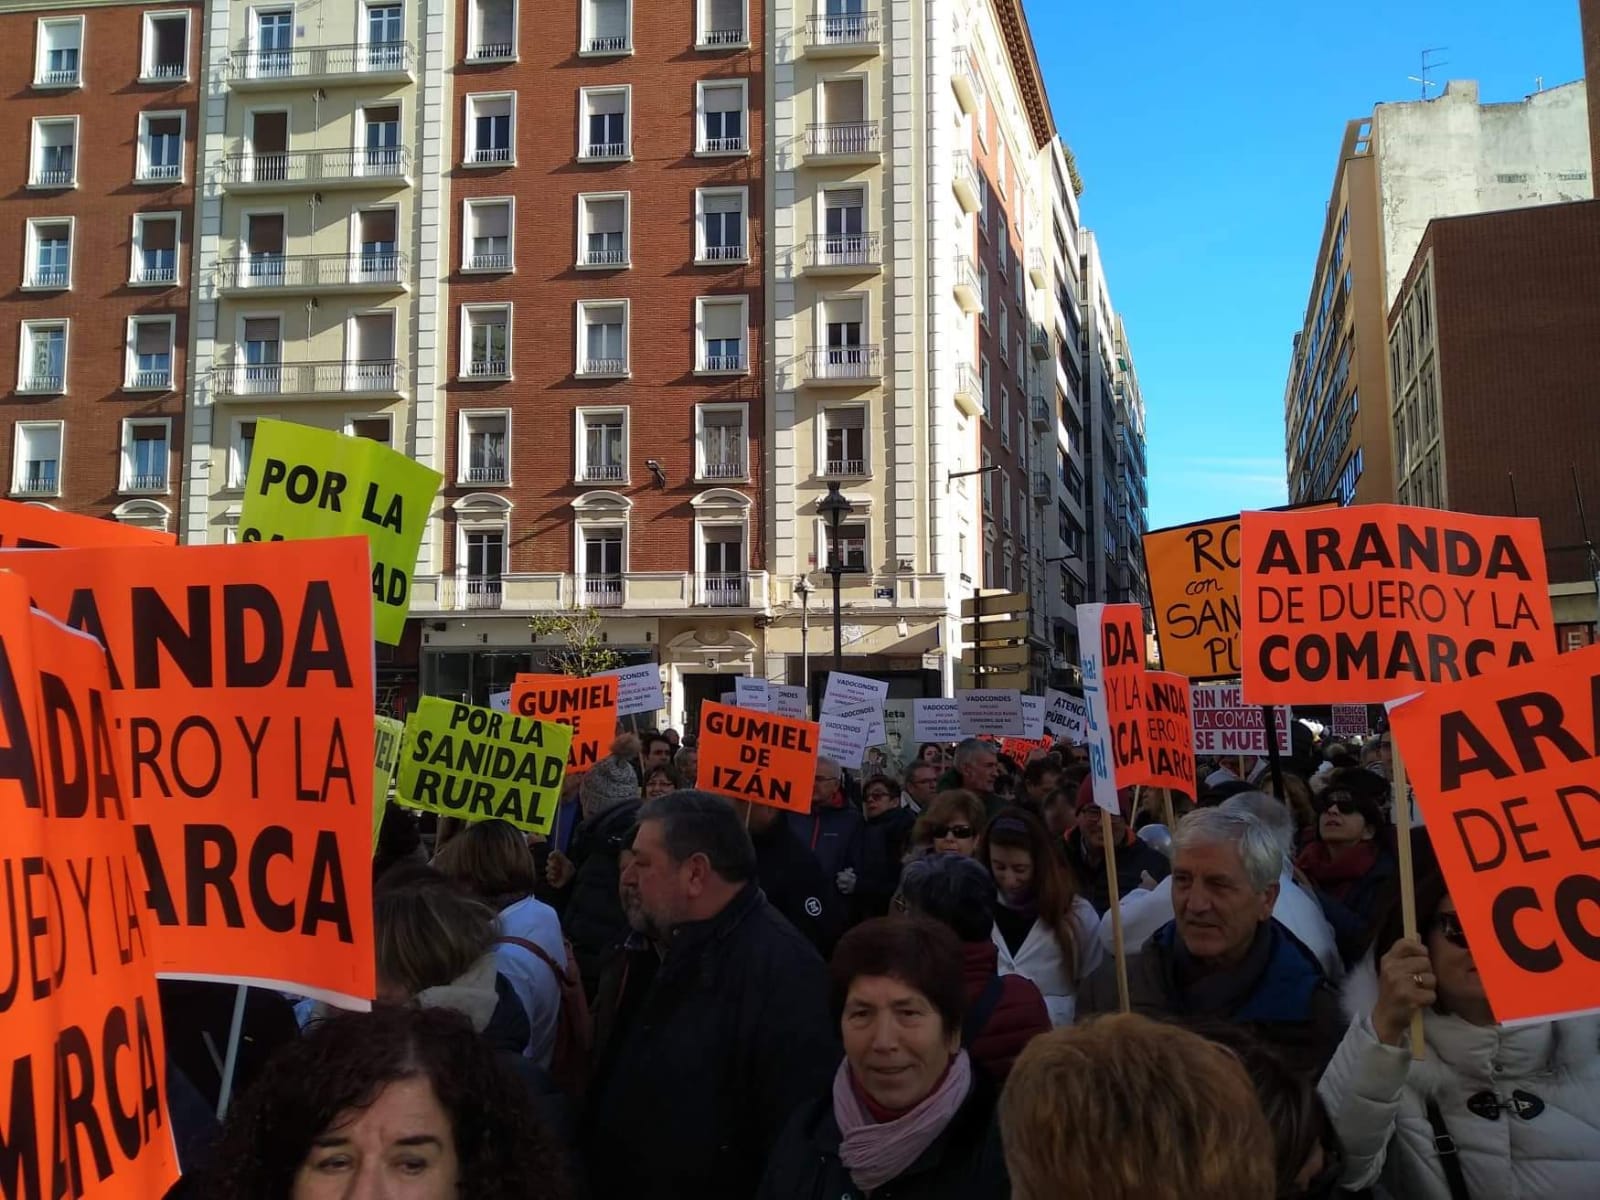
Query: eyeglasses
[[1339, 802], [1449, 926], [955, 831], [878, 795]]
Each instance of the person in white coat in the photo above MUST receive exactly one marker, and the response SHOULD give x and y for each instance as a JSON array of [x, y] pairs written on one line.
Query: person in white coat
[[1043, 930], [1147, 909], [1491, 1111]]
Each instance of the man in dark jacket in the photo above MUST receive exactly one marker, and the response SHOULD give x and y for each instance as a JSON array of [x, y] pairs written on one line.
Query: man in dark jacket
[[832, 830], [1085, 852], [1224, 958], [792, 879], [977, 769], [1004, 1012], [731, 1034]]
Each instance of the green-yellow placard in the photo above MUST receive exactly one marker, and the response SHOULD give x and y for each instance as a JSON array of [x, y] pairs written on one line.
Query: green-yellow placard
[[386, 736], [314, 483], [459, 760]]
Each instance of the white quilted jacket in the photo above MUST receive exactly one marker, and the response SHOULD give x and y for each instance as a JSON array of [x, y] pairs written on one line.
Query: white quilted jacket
[[1550, 1150]]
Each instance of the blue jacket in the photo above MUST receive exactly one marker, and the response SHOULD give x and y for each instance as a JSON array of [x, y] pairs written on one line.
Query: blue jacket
[[834, 835]]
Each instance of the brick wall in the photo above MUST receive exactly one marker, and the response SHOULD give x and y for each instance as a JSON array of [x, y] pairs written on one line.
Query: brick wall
[[100, 300]]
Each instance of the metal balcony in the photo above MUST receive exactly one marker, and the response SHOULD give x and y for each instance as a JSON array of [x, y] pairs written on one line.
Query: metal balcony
[[156, 379], [844, 142], [1038, 269], [483, 369], [1040, 413], [483, 591], [1043, 487], [384, 271], [383, 377], [723, 364], [723, 469], [491, 52], [602, 591], [374, 62], [843, 366], [43, 383], [724, 145], [964, 78], [387, 167], [842, 34], [495, 473], [147, 483], [1038, 340], [724, 591], [47, 277], [606, 257], [723, 254], [968, 289], [604, 472], [969, 390], [499, 260], [843, 253], [604, 152], [964, 178], [604, 368], [599, 45], [845, 466], [723, 39]]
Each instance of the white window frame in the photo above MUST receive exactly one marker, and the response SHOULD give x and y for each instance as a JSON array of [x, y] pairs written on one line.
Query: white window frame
[[34, 148], [985, 384], [1003, 420], [141, 160], [482, 513], [39, 80], [468, 205], [820, 447], [125, 473], [701, 251], [1003, 335], [700, 357], [17, 461], [147, 45], [988, 483], [23, 357], [700, 461], [819, 330], [580, 350], [702, 32], [824, 541], [359, 146], [584, 200], [463, 366], [700, 148], [464, 446], [236, 477], [469, 149], [30, 246], [131, 356], [136, 242], [350, 420], [580, 449], [474, 24], [585, 34], [985, 295], [625, 90], [599, 518]]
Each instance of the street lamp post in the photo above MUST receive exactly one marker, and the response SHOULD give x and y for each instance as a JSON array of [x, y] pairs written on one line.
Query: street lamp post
[[834, 508], [803, 589], [977, 592]]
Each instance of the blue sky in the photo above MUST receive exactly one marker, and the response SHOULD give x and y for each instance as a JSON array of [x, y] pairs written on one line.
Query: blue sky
[[1207, 136]]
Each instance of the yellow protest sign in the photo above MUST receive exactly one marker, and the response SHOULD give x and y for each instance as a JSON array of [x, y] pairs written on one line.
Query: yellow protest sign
[[459, 760], [386, 734], [314, 483]]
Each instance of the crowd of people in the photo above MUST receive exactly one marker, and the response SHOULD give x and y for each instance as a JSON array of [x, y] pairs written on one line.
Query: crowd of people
[[910, 991]]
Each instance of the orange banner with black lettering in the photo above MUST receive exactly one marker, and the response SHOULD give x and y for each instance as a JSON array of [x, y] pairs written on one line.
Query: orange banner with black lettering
[[587, 705], [1194, 594], [243, 688], [1506, 769], [30, 527], [759, 757], [1358, 605], [1169, 732], [84, 1068]]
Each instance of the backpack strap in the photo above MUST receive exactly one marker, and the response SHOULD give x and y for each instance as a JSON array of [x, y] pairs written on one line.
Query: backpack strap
[[978, 1015], [538, 952], [1449, 1158]]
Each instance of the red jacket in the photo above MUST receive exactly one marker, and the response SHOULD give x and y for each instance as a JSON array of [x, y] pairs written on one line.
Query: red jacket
[[1017, 1018]]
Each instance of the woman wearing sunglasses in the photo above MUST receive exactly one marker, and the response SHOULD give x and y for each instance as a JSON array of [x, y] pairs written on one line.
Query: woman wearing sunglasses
[[952, 824], [1491, 1111], [1355, 874]]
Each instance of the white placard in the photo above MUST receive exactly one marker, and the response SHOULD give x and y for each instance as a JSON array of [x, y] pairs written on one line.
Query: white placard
[[500, 701], [846, 692], [1033, 717], [1225, 724], [995, 711], [638, 689], [730, 698], [936, 720], [843, 740], [1067, 716], [786, 701], [872, 714], [1091, 626], [751, 692]]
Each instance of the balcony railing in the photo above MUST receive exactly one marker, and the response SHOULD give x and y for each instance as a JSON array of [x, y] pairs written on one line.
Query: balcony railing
[[308, 378], [724, 145], [39, 479], [1043, 487], [731, 36], [488, 368], [43, 382], [605, 366], [494, 260], [610, 43], [846, 466], [483, 591], [1037, 269], [150, 380], [733, 253], [489, 156], [47, 277], [724, 591], [159, 172], [844, 250], [491, 52], [65, 77], [148, 273], [268, 271], [317, 62], [844, 139], [725, 364], [495, 473], [156, 482], [1039, 340], [968, 290], [165, 71], [964, 179], [602, 591], [605, 151], [842, 31], [603, 472], [723, 469], [1039, 410], [608, 257], [843, 364], [54, 176], [317, 166]]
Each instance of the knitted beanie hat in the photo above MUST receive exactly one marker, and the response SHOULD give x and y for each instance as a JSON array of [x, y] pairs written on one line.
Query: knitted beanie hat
[[610, 782]]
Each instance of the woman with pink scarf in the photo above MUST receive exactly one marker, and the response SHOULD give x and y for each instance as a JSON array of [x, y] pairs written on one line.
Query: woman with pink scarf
[[907, 1115]]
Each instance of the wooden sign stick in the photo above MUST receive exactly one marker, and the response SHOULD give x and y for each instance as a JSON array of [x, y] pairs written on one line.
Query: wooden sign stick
[[1408, 882], [1172, 820], [1116, 909]]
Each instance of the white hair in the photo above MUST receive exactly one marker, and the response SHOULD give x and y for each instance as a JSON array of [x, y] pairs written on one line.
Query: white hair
[[1258, 849], [1271, 812]]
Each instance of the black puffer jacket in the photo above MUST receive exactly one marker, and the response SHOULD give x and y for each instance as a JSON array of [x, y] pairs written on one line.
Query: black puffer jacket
[[694, 1086], [1134, 858], [591, 911], [965, 1162], [792, 879]]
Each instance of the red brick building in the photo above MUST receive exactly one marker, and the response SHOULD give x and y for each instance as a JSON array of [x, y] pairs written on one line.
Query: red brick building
[[100, 169], [1492, 362]]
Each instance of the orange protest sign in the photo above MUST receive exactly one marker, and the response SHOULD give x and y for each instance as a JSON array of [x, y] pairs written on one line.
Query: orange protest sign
[[30, 527], [1194, 593], [244, 691], [589, 706], [1112, 641], [84, 1068], [1506, 768], [1018, 749], [1355, 605], [1169, 732], [759, 757]]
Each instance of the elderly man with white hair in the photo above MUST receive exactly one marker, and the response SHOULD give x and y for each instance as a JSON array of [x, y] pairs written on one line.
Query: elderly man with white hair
[[1223, 959], [1147, 909]]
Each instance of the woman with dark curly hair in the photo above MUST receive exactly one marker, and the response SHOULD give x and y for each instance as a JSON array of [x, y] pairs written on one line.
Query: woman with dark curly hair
[[395, 1102]]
